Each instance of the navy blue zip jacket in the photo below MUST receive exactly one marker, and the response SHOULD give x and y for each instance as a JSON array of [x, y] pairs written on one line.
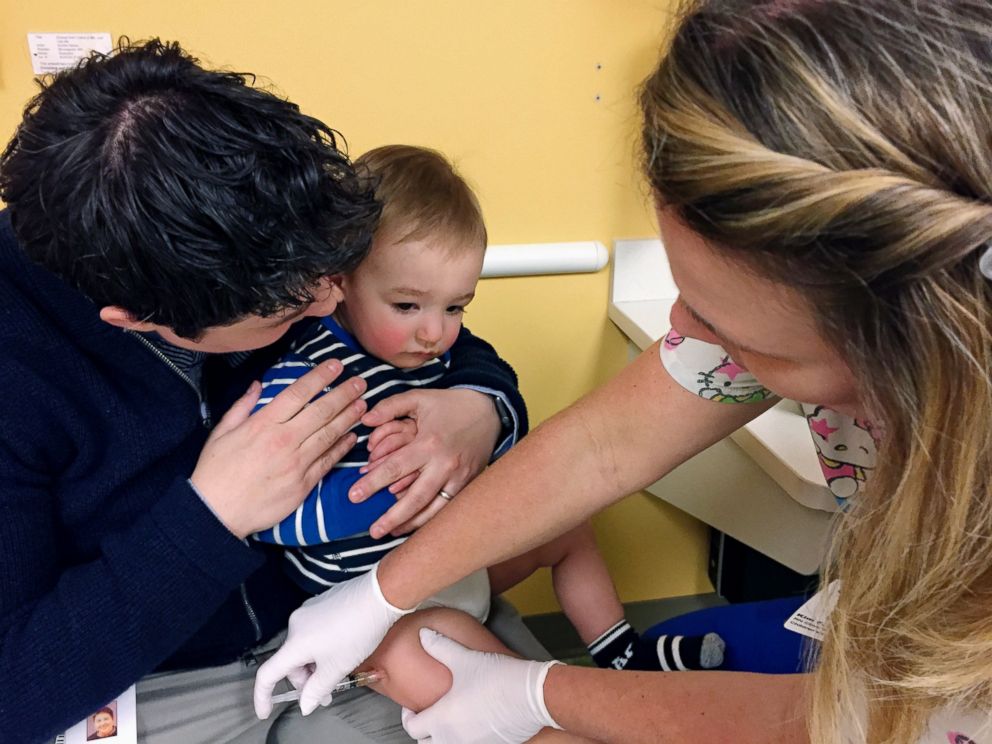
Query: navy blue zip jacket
[[111, 567]]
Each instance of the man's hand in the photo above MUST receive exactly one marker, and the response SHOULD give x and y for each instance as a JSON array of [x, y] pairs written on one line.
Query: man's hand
[[493, 697], [256, 469], [456, 434], [329, 635]]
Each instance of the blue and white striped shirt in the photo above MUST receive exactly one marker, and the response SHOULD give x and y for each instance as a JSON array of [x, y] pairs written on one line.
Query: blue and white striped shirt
[[328, 534]]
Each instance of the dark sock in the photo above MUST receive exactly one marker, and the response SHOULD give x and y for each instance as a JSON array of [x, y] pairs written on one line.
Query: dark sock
[[614, 648], [673, 653], [621, 647]]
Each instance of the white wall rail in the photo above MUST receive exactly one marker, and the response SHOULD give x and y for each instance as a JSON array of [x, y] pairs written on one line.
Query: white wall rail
[[528, 259]]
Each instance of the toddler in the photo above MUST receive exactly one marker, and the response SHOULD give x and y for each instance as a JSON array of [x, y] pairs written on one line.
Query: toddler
[[401, 313]]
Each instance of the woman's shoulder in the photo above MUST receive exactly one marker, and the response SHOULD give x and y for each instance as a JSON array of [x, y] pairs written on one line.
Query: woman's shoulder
[[709, 371], [846, 447]]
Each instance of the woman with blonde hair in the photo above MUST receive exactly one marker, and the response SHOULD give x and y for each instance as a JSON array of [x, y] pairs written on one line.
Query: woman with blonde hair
[[823, 176]]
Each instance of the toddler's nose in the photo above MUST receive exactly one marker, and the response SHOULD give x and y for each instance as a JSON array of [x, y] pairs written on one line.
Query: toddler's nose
[[429, 332]]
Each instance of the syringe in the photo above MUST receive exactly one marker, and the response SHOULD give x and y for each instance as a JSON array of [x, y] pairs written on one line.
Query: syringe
[[358, 679]]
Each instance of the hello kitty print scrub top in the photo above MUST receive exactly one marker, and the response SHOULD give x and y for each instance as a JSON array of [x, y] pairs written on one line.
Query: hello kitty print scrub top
[[846, 449], [845, 446]]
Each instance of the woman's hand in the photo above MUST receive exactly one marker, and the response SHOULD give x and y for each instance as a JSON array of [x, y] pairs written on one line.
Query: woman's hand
[[328, 636], [456, 433], [492, 697]]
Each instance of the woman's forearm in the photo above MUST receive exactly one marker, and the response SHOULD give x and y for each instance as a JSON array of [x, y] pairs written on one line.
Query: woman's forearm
[[613, 442], [682, 707]]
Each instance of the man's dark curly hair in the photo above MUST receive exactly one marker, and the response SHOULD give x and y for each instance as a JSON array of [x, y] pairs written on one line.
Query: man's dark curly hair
[[186, 196]]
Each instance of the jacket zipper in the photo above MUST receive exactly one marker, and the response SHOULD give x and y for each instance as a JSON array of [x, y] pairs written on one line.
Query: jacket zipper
[[251, 614], [204, 408], [207, 423]]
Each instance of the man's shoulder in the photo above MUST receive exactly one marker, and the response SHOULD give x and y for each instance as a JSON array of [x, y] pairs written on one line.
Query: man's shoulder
[[37, 308], [33, 334]]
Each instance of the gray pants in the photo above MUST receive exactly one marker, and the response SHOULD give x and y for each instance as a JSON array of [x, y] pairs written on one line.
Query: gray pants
[[214, 705]]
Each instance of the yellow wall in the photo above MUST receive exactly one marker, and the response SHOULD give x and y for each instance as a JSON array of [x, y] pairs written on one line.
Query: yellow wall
[[534, 99]]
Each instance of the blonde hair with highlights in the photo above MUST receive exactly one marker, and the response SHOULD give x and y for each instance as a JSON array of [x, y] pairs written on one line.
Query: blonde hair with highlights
[[844, 147], [422, 195]]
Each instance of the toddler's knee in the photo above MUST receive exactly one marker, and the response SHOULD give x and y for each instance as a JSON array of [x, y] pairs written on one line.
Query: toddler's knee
[[415, 679]]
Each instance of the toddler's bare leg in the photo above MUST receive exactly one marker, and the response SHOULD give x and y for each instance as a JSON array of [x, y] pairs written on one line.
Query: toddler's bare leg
[[581, 580], [414, 678]]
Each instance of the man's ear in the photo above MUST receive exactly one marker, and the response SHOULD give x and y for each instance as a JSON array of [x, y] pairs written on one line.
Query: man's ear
[[120, 318], [336, 283]]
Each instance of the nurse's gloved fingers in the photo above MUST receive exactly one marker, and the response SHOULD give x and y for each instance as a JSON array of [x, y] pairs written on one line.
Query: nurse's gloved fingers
[[298, 677], [316, 692], [287, 660], [417, 725]]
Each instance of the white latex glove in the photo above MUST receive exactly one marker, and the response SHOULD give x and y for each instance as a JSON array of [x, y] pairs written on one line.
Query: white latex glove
[[329, 635], [493, 698]]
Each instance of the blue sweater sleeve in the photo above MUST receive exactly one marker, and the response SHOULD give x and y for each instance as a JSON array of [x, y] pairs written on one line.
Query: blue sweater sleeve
[[110, 564], [73, 638]]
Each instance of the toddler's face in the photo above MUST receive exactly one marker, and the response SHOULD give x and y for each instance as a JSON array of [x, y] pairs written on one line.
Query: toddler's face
[[404, 303]]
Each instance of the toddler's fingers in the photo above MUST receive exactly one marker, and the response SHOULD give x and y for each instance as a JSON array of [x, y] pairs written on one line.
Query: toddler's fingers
[[400, 486]]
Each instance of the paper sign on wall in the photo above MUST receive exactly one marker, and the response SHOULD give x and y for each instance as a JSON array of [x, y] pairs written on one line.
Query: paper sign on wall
[[54, 52]]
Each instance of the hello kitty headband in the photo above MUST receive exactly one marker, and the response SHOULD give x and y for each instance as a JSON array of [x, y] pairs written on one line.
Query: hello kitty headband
[[985, 263]]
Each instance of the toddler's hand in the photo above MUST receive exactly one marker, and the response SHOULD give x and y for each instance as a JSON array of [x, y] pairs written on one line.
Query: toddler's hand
[[389, 437]]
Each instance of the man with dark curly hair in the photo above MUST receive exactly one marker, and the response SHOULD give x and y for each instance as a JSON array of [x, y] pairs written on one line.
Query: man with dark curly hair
[[163, 221]]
